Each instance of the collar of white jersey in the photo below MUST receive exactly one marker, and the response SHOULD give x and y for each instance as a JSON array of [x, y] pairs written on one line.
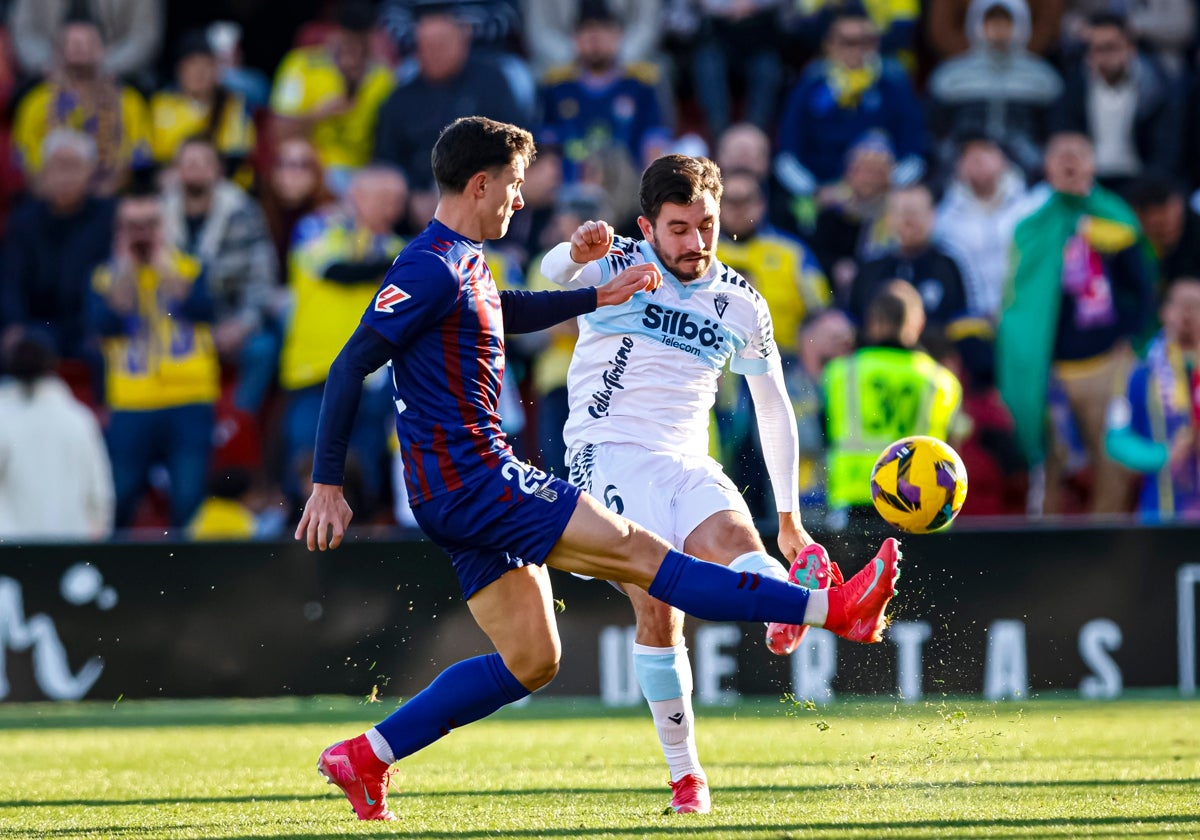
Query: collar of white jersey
[[684, 289]]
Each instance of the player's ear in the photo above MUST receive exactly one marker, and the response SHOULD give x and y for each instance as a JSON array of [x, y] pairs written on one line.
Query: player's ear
[[478, 184], [646, 228]]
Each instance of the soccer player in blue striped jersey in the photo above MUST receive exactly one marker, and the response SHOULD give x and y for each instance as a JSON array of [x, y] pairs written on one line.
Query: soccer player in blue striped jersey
[[440, 322]]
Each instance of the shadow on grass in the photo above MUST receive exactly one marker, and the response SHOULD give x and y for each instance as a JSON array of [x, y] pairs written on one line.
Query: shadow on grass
[[583, 791], [334, 710]]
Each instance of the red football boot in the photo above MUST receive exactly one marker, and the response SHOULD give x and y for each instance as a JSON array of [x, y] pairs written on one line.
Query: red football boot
[[353, 766], [856, 608], [690, 795]]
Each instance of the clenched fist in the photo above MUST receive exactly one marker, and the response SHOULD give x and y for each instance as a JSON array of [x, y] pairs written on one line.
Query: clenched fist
[[591, 241]]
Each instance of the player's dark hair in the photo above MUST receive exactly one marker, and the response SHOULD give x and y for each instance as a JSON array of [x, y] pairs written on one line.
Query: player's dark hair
[[476, 144], [677, 179], [30, 358]]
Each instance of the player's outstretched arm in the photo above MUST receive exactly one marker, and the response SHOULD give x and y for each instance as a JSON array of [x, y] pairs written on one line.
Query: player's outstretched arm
[[781, 452], [636, 278]]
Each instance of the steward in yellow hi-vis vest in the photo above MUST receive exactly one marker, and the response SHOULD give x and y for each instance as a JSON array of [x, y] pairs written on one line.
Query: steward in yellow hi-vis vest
[[158, 347], [884, 391]]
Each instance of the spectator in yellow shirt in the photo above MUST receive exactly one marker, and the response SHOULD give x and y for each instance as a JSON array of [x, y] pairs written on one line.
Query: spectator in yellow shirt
[[332, 93], [199, 106], [79, 96], [338, 258], [151, 306]]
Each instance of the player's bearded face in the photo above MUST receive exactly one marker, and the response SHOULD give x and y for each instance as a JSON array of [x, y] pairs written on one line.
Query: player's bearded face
[[684, 237]]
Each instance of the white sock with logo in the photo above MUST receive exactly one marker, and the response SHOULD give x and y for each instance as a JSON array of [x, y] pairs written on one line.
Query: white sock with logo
[[665, 676]]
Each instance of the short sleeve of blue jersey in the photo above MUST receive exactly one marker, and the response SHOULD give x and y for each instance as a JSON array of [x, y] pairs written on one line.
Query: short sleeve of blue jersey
[[418, 291]]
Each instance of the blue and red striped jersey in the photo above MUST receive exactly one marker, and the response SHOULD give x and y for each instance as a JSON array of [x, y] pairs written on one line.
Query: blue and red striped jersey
[[439, 308]]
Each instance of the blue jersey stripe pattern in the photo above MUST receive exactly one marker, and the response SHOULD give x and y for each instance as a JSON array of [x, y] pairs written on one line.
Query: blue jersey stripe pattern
[[440, 308]]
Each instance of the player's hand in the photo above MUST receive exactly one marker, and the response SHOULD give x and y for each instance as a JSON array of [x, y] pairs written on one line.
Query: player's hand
[[792, 536], [591, 241], [326, 512], [637, 278]]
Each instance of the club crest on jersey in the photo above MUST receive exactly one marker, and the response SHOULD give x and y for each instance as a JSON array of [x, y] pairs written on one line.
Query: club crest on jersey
[[389, 296], [720, 302]]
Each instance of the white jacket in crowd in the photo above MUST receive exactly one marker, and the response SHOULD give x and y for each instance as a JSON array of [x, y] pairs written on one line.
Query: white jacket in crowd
[[55, 477]]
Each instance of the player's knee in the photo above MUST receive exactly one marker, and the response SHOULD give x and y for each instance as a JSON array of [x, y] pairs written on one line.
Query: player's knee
[[537, 668]]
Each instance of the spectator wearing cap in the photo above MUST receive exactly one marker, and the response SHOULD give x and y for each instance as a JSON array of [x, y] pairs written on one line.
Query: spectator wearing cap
[[928, 266], [597, 102], [1171, 226], [80, 95], [56, 239], [998, 88], [131, 32], [1153, 426], [212, 219], [332, 93], [850, 226], [448, 84], [1078, 293], [976, 217], [56, 482], [841, 98], [1121, 98], [200, 106]]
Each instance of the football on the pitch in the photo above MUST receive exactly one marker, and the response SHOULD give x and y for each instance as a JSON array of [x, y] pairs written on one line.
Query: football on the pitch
[[919, 484]]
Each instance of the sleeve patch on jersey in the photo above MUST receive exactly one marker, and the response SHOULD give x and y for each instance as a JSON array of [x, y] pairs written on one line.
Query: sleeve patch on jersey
[[389, 297]]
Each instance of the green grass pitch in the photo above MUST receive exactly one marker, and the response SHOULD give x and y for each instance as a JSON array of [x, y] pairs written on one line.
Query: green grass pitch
[[1043, 768]]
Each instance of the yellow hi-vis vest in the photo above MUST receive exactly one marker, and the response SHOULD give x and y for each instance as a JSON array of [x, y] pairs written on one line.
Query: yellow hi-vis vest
[[873, 398]]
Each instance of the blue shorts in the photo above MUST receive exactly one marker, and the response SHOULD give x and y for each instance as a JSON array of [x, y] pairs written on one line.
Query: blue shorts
[[504, 519]]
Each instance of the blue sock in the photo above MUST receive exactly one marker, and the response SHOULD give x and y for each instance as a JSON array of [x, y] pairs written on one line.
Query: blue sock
[[463, 693], [715, 593]]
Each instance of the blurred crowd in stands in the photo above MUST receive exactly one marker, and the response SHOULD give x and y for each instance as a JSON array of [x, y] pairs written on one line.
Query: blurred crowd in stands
[[970, 218]]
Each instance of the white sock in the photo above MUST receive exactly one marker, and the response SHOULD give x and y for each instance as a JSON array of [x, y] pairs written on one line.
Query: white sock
[[665, 677], [383, 750], [759, 563], [818, 607]]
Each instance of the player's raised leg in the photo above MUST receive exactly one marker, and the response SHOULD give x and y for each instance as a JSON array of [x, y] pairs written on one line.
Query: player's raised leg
[[516, 613], [599, 543]]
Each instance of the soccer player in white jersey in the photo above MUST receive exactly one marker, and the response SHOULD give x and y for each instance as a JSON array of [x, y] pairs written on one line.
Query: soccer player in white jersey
[[641, 384]]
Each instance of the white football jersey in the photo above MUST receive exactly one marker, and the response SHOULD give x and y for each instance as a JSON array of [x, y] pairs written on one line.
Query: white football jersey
[[646, 371]]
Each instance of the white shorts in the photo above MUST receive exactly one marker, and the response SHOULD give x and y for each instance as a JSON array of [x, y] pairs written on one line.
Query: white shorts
[[664, 492]]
